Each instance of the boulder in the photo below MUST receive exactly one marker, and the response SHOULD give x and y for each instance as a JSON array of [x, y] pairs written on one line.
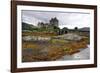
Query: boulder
[[70, 36]]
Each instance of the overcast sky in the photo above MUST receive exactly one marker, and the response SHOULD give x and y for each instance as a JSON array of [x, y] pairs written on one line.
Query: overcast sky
[[66, 19]]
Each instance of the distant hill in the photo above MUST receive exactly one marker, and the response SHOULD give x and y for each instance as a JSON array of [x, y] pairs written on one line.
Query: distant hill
[[26, 26], [85, 29]]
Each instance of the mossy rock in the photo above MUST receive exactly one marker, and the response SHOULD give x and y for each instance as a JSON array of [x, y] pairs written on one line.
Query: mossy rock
[[66, 49]]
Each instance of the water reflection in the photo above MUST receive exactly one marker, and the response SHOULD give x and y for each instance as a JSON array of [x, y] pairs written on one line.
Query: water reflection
[[84, 54]]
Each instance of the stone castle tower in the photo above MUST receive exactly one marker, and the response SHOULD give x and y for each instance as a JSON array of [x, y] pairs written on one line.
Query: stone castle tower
[[53, 22]]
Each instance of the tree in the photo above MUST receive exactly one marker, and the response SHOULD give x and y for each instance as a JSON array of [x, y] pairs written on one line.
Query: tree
[[76, 28], [56, 29]]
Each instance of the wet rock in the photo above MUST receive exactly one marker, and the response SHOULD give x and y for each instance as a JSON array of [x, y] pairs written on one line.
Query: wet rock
[[35, 38], [72, 37]]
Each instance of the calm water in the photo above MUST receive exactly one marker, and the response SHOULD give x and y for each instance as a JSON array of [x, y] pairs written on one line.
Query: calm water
[[84, 54]]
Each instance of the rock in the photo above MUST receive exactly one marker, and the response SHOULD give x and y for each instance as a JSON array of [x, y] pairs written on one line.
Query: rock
[[70, 36], [27, 38], [35, 38]]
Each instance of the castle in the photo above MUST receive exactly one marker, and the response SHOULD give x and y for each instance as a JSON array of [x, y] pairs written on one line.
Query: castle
[[52, 22]]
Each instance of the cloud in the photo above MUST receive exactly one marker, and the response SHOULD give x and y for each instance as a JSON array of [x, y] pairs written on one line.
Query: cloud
[[66, 19]]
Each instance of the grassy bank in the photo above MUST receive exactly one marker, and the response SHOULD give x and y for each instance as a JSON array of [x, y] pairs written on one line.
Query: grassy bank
[[50, 50]]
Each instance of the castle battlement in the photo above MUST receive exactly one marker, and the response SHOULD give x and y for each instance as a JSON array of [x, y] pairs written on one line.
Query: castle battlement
[[52, 22]]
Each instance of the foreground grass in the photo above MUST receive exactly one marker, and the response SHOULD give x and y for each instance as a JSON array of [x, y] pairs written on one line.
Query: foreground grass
[[43, 34], [50, 50]]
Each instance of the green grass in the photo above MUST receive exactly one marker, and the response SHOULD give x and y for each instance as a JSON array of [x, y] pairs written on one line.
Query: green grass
[[66, 49], [55, 41]]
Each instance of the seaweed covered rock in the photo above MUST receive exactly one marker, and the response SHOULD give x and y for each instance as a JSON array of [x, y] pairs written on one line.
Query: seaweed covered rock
[[71, 36]]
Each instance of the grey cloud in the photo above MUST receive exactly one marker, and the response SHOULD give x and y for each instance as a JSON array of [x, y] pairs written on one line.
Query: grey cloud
[[69, 19]]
